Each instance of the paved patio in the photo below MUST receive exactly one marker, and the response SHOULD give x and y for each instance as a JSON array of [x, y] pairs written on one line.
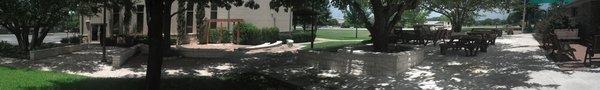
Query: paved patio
[[515, 62]]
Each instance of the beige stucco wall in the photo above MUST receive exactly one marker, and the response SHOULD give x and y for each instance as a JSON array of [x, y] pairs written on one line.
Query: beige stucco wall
[[263, 17]]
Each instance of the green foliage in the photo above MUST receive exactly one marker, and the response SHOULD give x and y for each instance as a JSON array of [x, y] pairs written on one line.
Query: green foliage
[[302, 36], [30, 79], [250, 35], [412, 17], [219, 36], [490, 22], [15, 79], [463, 12], [73, 40], [8, 50], [128, 41]]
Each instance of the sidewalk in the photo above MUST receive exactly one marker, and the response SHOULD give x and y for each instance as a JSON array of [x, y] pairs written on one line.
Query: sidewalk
[[515, 62]]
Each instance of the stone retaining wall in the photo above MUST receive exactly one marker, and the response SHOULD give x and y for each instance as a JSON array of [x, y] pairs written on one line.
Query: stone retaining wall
[[379, 62], [205, 53], [50, 52], [122, 57]]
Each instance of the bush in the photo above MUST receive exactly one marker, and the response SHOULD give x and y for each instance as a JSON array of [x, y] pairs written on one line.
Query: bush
[[216, 35], [250, 35], [128, 41], [73, 40], [302, 36], [12, 51]]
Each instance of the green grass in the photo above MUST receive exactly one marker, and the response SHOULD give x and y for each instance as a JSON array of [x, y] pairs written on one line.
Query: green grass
[[343, 34], [332, 46], [13, 78], [27, 79]]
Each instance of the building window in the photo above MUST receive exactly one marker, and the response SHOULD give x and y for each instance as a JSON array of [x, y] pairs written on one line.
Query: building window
[[189, 22], [139, 8], [139, 22], [115, 21]]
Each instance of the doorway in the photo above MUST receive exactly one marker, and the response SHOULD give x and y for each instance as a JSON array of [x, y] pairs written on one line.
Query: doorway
[[96, 29]]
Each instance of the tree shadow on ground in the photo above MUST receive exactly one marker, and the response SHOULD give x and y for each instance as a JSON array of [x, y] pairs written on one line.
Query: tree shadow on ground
[[231, 82], [88, 60], [495, 69]]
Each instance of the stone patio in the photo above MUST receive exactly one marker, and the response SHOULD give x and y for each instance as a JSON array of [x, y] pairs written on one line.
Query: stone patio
[[515, 62]]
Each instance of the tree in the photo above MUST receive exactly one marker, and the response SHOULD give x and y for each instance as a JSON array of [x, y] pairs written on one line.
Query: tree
[[412, 17], [38, 17], [533, 15], [156, 13], [460, 11], [386, 13], [320, 6], [350, 17]]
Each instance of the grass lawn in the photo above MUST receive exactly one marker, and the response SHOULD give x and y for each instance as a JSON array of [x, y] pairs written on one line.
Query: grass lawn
[[332, 46], [13, 78], [343, 34], [27, 79]]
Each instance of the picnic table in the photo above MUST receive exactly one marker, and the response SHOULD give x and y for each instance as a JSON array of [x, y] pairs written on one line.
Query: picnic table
[[470, 44]]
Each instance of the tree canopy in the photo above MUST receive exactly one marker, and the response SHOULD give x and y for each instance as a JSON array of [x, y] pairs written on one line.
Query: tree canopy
[[385, 13], [38, 17], [460, 11]]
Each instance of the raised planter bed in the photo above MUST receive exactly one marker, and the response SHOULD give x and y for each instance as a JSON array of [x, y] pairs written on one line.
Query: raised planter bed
[[122, 57], [50, 52], [397, 62]]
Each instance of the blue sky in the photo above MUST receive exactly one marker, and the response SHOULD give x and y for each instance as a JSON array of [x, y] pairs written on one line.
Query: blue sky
[[336, 13]]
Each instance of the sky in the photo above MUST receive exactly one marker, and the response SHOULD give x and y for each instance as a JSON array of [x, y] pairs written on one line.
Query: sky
[[336, 13]]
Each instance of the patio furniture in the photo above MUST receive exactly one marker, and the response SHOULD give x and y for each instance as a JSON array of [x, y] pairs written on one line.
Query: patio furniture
[[593, 47], [559, 47], [469, 43]]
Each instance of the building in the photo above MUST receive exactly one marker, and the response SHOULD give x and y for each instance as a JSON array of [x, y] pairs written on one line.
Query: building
[[263, 17], [586, 13]]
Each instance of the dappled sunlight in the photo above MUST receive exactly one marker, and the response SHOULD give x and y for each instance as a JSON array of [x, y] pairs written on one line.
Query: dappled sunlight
[[519, 43]]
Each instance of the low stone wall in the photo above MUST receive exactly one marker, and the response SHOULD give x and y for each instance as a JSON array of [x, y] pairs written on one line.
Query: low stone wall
[[205, 53], [122, 57], [381, 63], [50, 52]]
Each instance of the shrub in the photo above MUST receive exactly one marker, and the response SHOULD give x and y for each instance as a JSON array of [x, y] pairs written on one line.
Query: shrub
[[12, 51], [128, 41], [250, 35], [302, 36], [220, 36], [73, 40], [215, 35]]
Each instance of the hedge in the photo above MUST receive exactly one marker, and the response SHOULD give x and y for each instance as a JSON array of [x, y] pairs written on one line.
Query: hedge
[[302, 36], [250, 35]]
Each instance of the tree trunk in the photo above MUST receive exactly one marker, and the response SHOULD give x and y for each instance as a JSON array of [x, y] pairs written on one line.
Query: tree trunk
[[456, 26], [379, 36], [155, 14], [34, 39], [167, 27]]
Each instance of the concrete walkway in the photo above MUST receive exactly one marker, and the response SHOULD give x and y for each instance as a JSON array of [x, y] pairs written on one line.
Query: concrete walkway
[[515, 62]]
